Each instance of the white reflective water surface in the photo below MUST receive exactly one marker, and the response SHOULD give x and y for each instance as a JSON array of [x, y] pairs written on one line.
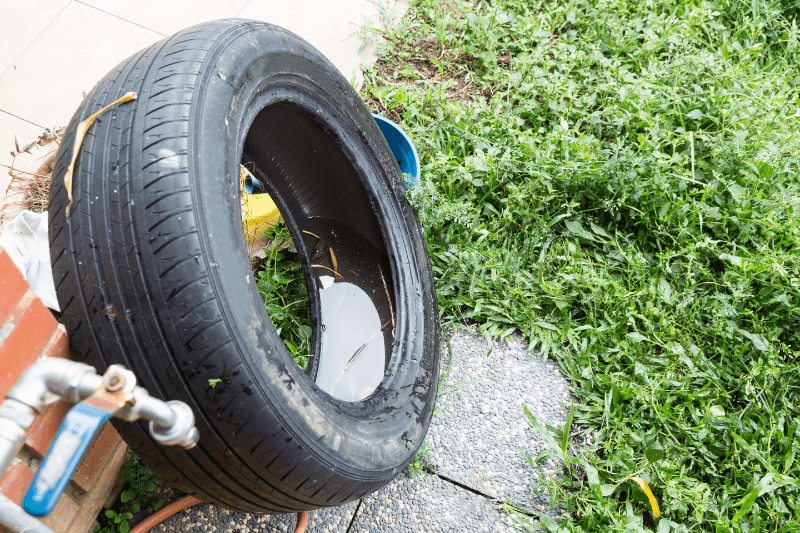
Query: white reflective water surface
[[352, 343]]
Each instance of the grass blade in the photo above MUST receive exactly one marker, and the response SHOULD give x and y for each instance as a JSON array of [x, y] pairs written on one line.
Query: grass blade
[[545, 434], [764, 486], [567, 429]]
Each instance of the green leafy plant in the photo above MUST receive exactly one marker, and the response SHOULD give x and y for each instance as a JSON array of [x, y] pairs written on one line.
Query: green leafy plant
[[141, 485], [214, 382], [116, 521], [421, 463], [619, 181], [282, 286]]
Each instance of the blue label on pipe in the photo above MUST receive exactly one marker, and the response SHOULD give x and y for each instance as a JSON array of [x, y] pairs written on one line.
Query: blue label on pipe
[[65, 453]]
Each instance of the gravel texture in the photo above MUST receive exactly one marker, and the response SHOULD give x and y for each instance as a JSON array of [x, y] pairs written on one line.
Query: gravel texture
[[204, 517], [480, 432], [430, 505]]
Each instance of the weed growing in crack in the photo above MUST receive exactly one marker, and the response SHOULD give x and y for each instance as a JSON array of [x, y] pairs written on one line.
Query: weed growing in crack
[[421, 463], [141, 485]]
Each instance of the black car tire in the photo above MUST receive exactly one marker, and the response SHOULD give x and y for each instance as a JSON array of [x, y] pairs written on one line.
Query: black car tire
[[152, 271]]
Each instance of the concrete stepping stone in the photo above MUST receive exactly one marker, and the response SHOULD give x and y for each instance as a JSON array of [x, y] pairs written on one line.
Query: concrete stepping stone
[[477, 440], [480, 433], [430, 505], [205, 518]]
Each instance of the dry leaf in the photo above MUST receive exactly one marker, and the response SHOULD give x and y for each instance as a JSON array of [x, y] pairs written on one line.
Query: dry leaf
[[333, 260], [27, 149], [79, 134]]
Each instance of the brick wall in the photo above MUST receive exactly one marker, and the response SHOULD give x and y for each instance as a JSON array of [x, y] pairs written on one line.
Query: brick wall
[[27, 332]]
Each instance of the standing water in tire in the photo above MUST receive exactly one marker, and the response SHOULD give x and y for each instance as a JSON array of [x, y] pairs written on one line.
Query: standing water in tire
[[357, 322]]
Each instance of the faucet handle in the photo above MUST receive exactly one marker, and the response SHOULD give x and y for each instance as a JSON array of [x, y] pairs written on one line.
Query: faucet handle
[[77, 431], [74, 436]]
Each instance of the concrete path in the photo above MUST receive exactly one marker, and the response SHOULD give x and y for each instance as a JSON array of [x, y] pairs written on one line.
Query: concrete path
[[53, 51]]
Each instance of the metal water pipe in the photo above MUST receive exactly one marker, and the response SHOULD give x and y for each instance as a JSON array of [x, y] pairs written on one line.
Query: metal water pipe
[[113, 394]]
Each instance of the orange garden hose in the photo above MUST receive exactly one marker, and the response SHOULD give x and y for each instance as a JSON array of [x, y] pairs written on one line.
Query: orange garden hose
[[156, 518], [188, 501], [302, 522]]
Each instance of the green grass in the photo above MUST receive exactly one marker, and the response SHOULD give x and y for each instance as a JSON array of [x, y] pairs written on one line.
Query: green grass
[[282, 286], [619, 181], [421, 463]]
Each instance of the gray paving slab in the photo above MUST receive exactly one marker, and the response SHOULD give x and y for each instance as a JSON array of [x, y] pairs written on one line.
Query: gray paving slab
[[205, 518], [430, 505], [480, 435]]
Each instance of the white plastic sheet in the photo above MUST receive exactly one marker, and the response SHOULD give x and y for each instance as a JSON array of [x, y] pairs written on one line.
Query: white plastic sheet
[[25, 240]]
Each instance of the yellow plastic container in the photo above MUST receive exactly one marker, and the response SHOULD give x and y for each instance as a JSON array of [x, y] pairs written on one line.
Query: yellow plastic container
[[259, 211]]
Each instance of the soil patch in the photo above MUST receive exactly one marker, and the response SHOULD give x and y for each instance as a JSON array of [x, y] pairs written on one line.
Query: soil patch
[[452, 71]]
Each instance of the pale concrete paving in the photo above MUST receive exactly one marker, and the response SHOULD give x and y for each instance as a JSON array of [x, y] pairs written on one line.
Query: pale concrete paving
[[52, 51]]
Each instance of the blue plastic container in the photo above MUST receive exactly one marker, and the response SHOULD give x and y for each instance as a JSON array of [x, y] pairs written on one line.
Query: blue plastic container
[[402, 148]]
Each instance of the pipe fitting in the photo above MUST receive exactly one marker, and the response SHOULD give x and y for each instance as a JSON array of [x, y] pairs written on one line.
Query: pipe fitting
[[15, 519], [182, 432], [48, 380], [17, 412], [12, 437], [145, 406]]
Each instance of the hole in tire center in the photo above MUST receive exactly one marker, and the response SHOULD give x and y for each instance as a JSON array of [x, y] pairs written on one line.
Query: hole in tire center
[[309, 226]]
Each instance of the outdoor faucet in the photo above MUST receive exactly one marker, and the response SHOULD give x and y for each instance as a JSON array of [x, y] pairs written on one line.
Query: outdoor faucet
[[101, 397]]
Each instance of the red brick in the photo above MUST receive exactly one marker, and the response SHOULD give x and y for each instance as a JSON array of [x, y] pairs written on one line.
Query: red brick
[[58, 346], [93, 502], [96, 457], [62, 515], [12, 285], [23, 337], [15, 483], [44, 427]]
